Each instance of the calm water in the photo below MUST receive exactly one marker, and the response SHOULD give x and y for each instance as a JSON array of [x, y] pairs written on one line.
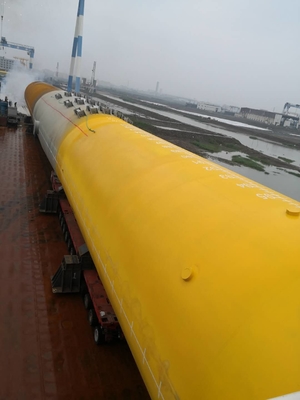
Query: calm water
[[276, 179]]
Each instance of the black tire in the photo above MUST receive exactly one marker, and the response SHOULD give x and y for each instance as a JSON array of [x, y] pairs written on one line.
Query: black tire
[[121, 336], [87, 301], [92, 317], [83, 287], [99, 337]]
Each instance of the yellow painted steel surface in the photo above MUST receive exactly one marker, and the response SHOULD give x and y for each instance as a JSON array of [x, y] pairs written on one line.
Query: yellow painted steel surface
[[202, 265]]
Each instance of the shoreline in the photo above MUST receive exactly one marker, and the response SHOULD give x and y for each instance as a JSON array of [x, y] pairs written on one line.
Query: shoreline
[[206, 143]]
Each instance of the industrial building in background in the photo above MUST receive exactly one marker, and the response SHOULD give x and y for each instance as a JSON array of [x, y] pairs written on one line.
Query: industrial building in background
[[209, 107], [7, 64], [77, 50], [286, 119], [262, 116]]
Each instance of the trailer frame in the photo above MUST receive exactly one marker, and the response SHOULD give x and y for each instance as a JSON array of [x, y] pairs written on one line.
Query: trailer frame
[[77, 272]]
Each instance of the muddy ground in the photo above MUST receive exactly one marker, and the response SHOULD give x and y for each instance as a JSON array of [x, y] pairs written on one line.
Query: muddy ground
[[203, 142]]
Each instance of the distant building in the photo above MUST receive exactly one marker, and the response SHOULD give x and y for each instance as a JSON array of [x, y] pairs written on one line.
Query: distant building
[[6, 64], [278, 119], [230, 110], [269, 117], [191, 104], [262, 116], [209, 107]]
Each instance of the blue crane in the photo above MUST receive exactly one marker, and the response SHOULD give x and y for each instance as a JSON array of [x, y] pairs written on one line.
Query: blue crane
[[28, 49], [287, 106]]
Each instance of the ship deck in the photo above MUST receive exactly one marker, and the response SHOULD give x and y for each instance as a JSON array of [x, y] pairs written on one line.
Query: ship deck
[[46, 344]]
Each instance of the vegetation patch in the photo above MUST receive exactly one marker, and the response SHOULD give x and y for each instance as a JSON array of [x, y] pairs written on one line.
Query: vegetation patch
[[247, 163], [293, 173], [232, 147], [212, 147], [144, 126], [128, 99], [260, 159], [286, 159]]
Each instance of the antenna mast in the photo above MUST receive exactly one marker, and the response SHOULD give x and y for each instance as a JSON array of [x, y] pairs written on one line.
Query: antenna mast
[[2, 17], [93, 79]]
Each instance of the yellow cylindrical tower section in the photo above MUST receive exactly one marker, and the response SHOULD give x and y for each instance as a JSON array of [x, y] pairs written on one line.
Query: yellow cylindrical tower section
[[201, 264], [34, 92]]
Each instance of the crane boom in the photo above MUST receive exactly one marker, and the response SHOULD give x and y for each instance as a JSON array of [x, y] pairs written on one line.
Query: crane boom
[[18, 46]]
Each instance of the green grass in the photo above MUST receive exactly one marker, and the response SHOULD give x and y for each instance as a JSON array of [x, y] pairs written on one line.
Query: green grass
[[293, 173], [232, 147], [247, 163], [286, 159], [143, 125], [212, 147], [215, 147], [259, 160]]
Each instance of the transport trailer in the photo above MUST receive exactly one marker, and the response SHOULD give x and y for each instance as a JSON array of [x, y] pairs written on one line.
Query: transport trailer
[[77, 273], [100, 312]]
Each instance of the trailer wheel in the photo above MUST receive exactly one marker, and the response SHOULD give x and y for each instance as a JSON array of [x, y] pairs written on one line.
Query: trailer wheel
[[92, 317], [99, 337], [87, 301], [83, 288]]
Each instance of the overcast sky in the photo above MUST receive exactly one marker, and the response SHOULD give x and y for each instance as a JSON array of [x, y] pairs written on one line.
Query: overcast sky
[[237, 52]]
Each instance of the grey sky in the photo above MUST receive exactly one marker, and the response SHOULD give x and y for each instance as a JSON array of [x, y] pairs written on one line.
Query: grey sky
[[238, 52]]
